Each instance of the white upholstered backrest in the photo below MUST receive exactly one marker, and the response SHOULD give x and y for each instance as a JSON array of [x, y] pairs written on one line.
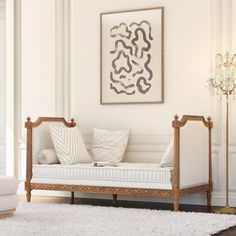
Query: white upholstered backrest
[[194, 147], [41, 138], [141, 148]]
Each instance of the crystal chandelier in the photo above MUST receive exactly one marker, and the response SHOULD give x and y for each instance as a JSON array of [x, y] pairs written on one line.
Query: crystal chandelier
[[222, 81], [222, 78]]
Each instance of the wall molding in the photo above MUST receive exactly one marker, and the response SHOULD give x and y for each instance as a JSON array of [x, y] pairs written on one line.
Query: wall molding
[[2, 10], [17, 83], [2, 3], [13, 84], [220, 42], [2, 142], [67, 62], [62, 58]]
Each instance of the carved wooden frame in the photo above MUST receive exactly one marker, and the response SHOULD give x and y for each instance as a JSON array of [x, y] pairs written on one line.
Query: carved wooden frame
[[176, 192], [29, 126]]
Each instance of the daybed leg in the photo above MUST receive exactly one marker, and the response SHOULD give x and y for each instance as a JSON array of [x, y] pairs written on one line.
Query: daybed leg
[[114, 202], [176, 202], [72, 199], [208, 201], [28, 195]]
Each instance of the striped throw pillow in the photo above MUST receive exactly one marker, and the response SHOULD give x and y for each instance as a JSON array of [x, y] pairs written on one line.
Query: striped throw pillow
[[69, 145]]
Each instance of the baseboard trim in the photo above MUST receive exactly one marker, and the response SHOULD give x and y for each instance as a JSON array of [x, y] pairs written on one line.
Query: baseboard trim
[[120, 203], [218, 198]]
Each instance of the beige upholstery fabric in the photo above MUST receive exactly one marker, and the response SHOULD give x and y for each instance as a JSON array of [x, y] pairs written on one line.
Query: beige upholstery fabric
[[47, 156], [8, 202], [109, 145], [8, 185], [141, 175], [8, 197]]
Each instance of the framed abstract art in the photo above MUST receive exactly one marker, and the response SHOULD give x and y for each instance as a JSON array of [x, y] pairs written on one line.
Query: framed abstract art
[[132, 57]]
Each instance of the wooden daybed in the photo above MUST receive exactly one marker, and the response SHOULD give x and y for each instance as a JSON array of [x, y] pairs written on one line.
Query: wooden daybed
[[191, 172]]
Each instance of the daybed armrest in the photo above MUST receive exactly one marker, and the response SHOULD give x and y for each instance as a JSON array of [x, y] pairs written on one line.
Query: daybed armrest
[[38, 138], [192, 151]]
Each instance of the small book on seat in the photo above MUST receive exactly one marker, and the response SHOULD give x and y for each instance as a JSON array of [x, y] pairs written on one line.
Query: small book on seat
[[105, 163]]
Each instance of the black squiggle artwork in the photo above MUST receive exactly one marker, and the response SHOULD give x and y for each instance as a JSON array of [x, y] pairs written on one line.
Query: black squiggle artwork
[[140, 71], [121, 91], [116, 28], [131, 71], [122, 76], [135, 62], [137, 72], [118, 71], [143, 22], [137, 47], [124, 45], [141, 87], [120, 82], [147, 67]]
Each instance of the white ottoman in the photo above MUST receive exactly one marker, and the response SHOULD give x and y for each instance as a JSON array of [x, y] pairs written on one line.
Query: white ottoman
[[8, 197]]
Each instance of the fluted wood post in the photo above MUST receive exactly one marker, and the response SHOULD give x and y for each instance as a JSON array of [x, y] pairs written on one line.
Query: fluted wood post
[[28, 125], [176, 171]]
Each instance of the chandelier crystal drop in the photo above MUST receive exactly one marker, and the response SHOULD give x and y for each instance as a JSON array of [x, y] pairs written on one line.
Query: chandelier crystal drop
[[222, 78]]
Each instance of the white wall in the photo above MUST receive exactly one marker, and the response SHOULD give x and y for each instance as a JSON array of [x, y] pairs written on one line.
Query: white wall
[[2, 89], [38, 58], [52, 43], [186, 66]]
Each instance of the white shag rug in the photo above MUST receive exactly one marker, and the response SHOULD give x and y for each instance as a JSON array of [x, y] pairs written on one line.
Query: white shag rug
[[63, 219]]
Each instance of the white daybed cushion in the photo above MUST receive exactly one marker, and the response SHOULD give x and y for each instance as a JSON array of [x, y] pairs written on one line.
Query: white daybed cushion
[[69, 145], [47, 156], [167, 158], [133, 175], [109, 145]]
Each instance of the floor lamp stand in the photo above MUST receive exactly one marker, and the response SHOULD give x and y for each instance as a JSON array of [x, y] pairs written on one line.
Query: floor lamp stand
[[222, 81], [226, 209]]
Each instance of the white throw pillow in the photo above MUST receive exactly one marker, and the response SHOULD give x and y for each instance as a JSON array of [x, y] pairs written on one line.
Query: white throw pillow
[[167, 158], [69, 145], [47, 156], [109, 145]]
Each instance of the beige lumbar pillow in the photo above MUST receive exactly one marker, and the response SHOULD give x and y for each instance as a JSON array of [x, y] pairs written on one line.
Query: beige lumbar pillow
[[69, 145], [109, 146], [47, 156], [167, 158]]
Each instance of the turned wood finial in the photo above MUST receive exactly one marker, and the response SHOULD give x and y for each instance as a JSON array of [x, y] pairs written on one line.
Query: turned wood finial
[[209, 122], [73, 122], [28, 119], [176, 117]]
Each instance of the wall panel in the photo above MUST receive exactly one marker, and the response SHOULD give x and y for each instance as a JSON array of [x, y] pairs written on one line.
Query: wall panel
[[38, 58], [2, 88], [187, 53]]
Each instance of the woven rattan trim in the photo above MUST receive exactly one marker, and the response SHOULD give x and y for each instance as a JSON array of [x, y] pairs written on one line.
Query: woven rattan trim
[[102, 189]]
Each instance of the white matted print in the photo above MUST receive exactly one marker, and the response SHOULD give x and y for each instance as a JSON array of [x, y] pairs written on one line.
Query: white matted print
[[132, 57]]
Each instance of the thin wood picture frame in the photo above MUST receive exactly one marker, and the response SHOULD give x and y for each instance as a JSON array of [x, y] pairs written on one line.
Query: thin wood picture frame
[[132, 56]]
